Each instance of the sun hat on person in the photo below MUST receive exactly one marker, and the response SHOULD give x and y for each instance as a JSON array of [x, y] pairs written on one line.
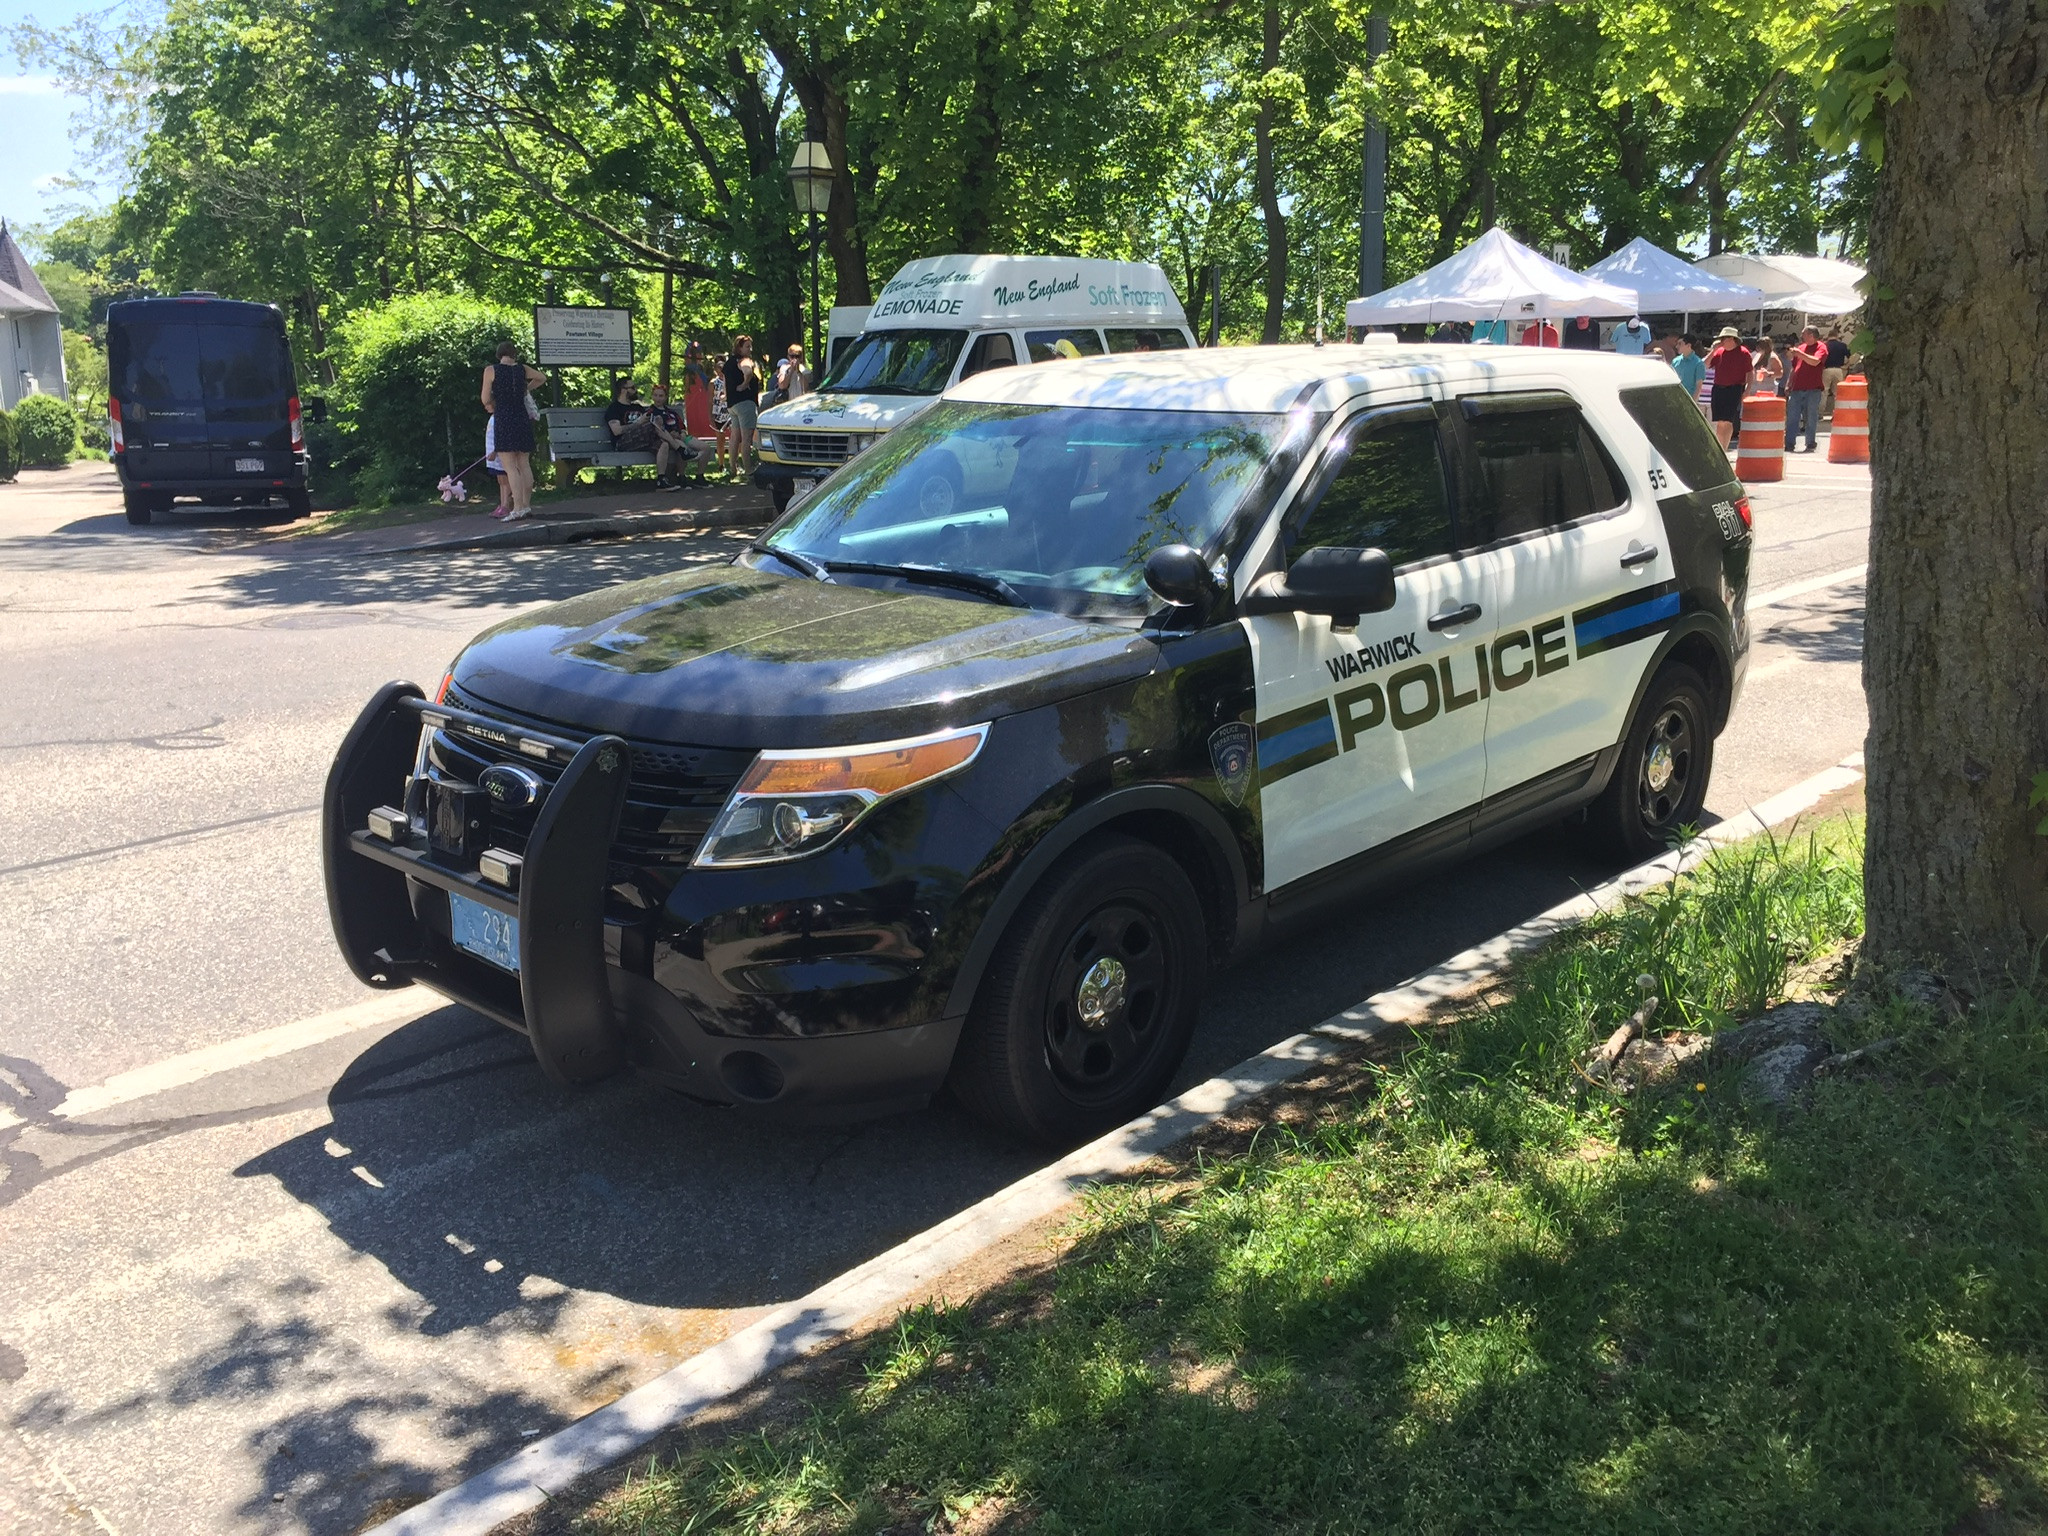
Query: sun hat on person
[[1729, 333]]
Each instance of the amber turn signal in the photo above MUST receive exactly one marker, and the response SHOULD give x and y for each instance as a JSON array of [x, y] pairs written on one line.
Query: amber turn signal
[[883, 769]]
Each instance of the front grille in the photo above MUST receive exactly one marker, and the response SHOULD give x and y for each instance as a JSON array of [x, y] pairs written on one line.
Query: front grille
[[814, 447], [674, 793]]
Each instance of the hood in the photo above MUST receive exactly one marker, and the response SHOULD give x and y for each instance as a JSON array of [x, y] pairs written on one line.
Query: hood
[[729, 657], [845, 413]]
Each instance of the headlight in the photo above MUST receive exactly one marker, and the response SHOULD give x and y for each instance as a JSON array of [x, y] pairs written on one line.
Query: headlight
[[767, 442], [789, 804], [858, 441]]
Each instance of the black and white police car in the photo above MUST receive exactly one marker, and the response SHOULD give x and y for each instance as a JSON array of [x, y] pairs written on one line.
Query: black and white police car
[[965, 779]]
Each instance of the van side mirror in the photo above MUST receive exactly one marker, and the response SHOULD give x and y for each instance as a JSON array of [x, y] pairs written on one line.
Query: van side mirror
[[1341, 583], [1179, 576], [315, 407]]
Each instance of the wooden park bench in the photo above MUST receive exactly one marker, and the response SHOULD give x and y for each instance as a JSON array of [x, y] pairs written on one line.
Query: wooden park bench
[[578, 434]]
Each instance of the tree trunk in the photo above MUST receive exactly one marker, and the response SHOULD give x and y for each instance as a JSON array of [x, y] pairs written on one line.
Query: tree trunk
[[1956, 653], [1268, 187]]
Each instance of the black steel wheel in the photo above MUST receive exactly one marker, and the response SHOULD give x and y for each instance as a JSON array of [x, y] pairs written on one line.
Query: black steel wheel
[[1089, 1004], [1660, 782]]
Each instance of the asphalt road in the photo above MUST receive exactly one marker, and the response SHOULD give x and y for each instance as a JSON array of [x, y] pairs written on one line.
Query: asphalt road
[[293, 1293]]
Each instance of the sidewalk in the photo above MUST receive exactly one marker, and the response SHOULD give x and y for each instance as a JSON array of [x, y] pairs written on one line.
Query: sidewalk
[[630, 510]]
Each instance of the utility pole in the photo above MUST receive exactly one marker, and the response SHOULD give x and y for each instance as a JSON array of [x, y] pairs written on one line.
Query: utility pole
[[1372, 214]]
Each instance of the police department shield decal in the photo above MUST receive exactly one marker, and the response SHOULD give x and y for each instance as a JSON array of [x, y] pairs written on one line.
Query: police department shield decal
[[1231, 751]]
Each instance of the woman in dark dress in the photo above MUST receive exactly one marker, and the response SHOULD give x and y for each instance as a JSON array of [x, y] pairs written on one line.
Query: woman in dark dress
[[506, 385]]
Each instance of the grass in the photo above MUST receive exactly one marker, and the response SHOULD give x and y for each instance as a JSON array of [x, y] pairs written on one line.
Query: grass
[[483, 487], [1479, 1294]]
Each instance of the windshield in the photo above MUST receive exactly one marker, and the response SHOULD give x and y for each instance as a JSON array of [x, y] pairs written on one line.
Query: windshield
[[1060, 503], [895, 363]]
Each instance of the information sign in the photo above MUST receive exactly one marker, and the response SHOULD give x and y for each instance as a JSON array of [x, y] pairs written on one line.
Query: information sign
[[568, 336]]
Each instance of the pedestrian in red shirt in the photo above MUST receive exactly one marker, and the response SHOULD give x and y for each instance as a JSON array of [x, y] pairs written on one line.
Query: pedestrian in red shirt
[[1729, 364], [1803, 388], [1541, 333]]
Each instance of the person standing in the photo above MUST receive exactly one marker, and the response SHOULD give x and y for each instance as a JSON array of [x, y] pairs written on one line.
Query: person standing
[[1691, 371], [505, 386], [696, 391], [743, 400], [1730, 363], [1836, 369], [1767, 369], [1632, 339], [1583, 334], [1540, 333], [1803, 388], [721, 419], [792, 378]]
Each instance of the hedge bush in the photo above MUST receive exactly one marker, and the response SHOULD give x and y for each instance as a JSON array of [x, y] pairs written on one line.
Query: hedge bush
[[407, 389], [10, 450], [46, 430]]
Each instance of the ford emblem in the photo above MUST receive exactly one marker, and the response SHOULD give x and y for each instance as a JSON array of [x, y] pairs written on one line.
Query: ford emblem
[[511, 786]]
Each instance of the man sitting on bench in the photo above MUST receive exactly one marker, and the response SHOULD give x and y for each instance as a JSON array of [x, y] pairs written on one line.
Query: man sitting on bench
[[632, 429], [671, 441]]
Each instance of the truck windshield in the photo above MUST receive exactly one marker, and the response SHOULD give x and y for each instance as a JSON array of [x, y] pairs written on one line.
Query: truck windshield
[[1060, 505], [896, 363]]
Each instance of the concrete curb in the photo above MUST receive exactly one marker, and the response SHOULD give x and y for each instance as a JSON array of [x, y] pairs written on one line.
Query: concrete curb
[[544, 1469]]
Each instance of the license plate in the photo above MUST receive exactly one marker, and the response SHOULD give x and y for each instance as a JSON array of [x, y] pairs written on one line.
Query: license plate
[[248, 466], [487, 934], [801, 487]]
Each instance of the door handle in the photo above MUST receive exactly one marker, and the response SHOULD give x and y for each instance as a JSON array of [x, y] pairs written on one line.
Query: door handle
[[1641, 555], [1452, 618]]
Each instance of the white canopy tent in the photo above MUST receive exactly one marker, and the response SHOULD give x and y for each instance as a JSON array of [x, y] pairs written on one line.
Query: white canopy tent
[[1814, 285], [1667, 284], [1493, 278]]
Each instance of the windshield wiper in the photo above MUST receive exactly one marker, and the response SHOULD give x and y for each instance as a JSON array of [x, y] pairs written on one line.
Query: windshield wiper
[[937, 576], [793, 560], [886, 389]]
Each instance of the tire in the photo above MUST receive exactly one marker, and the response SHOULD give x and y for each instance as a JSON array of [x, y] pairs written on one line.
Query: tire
[[139, 508], [299, 503], [1667, 758], [780, 492], [1090, 1001]]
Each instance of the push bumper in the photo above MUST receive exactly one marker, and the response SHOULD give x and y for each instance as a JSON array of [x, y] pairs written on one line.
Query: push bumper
[[584, 1015]]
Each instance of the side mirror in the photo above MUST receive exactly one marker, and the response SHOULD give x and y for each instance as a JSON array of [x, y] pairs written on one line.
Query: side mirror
[[1341, 583], [1177, 575], [316, 408]]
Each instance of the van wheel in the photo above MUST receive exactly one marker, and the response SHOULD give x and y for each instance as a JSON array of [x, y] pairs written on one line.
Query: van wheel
[[1660, 783], [138, 507], [780, 492], [1091, 999], [299, 503]]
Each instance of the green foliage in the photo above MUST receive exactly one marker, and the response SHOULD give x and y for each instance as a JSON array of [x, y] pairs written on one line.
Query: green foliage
[[10, 448], [69, 287], [1460, 1302], [47, 430], [409, 388]]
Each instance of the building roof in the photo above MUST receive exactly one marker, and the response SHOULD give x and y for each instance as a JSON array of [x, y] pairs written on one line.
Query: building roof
[[1274, 380], [21, 291]]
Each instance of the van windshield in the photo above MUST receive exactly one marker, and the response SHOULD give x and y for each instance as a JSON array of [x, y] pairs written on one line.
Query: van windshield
[[1058, 505], [896, 363]]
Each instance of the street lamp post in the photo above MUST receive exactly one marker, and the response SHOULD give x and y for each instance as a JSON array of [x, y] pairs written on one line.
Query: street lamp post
[[810, 178]]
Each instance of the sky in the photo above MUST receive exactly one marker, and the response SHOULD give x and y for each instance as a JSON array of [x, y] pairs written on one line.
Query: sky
[[35, 123]]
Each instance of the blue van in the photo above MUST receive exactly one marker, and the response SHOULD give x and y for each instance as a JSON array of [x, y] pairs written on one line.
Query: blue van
[[202, 402]]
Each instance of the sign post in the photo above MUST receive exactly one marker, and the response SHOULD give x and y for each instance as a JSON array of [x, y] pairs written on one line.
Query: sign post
[[578, 336]]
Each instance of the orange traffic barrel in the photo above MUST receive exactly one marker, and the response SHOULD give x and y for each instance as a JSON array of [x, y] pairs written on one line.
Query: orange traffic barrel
[[1760, 450], [1849, 432]]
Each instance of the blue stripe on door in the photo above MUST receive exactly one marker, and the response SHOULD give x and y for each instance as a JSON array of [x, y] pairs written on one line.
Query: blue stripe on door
[[1652, 610]]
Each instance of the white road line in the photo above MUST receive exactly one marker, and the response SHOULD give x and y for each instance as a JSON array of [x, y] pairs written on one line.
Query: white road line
[[1786, 593], [401, 1006], [891, 1279]]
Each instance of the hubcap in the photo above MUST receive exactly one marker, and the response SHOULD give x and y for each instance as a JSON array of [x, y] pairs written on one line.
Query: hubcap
[[1101, 992], [1667, 767], [1109, 990]]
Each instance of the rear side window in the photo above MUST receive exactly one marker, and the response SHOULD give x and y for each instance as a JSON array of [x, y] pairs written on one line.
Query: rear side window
[[1045, 346], [1389, 495], [1677, 430], [1163, 339], [1534, 465], [156, 364]]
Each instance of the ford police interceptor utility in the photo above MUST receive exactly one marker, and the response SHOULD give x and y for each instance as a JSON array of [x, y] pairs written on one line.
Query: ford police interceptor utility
[[899, 801], [941, 319]]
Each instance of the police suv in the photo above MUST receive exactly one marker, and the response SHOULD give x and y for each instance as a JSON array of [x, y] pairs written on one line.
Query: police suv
[[899, 801]]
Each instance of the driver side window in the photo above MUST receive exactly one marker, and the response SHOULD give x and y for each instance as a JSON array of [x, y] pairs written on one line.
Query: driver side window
[[993, 350], [1390, 494]]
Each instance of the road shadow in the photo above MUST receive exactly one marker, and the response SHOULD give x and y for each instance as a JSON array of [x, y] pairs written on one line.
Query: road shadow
[[1819, 633]]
